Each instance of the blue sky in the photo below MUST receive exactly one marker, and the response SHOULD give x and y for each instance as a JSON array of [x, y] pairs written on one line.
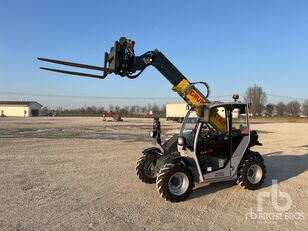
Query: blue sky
[[229, 44]]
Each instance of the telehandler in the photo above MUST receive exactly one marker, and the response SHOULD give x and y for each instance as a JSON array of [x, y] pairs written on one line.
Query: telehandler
[[215, 140]]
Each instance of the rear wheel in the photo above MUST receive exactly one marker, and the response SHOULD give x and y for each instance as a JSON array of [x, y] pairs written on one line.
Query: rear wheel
[[174, 182], [146, 168], [251, 173]]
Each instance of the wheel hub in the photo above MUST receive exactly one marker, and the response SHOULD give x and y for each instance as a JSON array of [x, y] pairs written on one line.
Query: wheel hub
[[254, 174], [178, 183], [149, 170]]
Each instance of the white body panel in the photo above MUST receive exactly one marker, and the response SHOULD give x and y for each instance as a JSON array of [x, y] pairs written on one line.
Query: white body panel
[[19, 110], [176, 110]]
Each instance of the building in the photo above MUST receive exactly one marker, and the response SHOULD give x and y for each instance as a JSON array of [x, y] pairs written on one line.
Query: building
[[20, 108]]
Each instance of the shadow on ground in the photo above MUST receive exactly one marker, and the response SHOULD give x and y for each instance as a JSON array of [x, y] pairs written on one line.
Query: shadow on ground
[[284, 166], [211, 188], [278, 166]]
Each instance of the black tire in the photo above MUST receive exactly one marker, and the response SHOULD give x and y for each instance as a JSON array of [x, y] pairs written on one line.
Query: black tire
[[144, 169], [165, 186], [180, 120], [247, 180]]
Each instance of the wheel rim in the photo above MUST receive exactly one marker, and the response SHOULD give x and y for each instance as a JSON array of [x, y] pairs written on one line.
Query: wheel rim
[[149, 169], [254, 174], [178, 183]]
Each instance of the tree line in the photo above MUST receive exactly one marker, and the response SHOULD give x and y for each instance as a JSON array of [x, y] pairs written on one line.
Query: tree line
[[133, 110], [254, 95], [257, 99]]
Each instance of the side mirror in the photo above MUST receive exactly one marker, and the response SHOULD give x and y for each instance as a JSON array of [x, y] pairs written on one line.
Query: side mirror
[[181, 141], [206, 115]]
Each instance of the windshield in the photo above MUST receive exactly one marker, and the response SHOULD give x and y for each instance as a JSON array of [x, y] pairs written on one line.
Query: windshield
[[189, 126]]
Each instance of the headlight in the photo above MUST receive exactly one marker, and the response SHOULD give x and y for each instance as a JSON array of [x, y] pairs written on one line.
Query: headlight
[[181, 140], [152, 134]]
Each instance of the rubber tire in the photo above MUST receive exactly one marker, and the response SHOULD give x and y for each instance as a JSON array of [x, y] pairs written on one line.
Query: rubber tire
[[180, 120], [163, 178], [140, 166], [242, 179]]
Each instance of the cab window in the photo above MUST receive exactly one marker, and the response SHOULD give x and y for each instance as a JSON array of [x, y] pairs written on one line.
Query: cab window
[[218, 119], [239, 120]]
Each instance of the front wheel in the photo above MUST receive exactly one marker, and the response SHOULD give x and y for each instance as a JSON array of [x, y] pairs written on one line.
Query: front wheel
[[174, 182], [251, 173], [146, 169]]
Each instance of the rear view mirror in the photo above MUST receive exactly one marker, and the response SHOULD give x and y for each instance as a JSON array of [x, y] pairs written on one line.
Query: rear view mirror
[[206, 115]]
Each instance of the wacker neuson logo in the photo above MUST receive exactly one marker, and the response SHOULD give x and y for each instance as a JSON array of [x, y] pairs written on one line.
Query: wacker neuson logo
[[280, 208]]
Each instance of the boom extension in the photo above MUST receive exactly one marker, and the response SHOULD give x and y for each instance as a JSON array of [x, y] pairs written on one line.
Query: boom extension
[[121, 60]]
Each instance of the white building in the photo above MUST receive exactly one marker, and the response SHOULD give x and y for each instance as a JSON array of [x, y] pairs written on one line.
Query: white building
[[20, 108]]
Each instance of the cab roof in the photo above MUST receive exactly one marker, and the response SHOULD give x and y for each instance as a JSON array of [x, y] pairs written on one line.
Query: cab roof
[[217, 103]]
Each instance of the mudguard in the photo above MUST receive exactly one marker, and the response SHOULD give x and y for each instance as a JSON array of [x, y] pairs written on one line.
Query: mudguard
[[176, 158], [152, 150], [249, 154]]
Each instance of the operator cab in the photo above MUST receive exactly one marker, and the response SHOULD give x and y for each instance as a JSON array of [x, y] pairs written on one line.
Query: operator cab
[[214, 134]]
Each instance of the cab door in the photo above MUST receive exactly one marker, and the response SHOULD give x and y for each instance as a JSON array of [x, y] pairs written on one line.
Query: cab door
[[240, 134], [217, 152]]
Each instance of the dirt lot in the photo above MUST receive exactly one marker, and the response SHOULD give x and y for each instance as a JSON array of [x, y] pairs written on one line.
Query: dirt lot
[[79, 174]]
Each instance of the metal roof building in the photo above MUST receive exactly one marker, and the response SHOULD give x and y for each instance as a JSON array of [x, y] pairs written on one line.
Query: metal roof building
[[20, 108]]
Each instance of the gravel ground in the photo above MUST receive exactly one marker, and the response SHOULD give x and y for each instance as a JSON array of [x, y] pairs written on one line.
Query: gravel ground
[[79, 174]]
